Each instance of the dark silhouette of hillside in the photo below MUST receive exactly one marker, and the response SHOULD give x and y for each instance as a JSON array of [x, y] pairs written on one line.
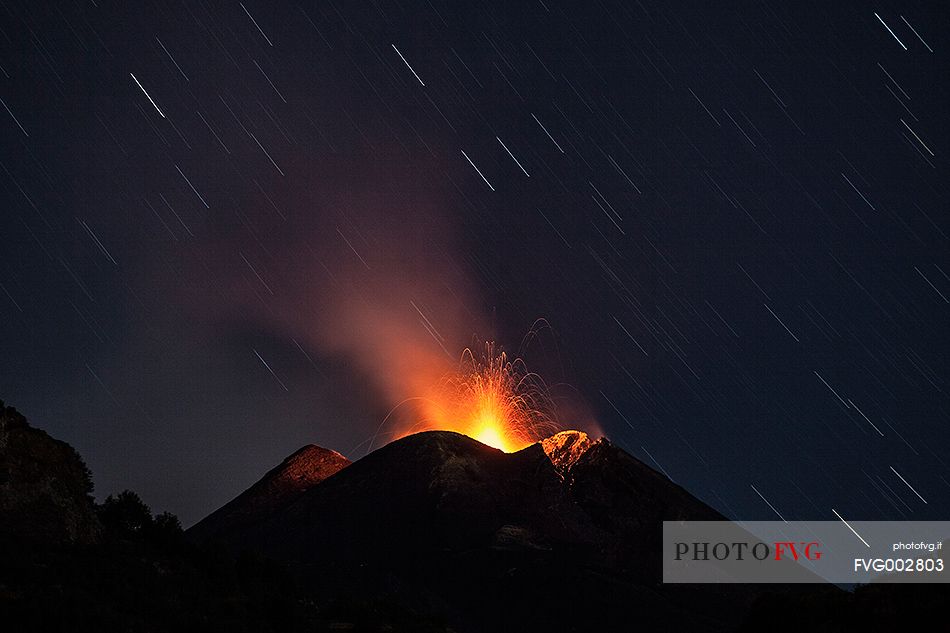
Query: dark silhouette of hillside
[[435, 532], [276, 490], [45, 487], [68, 564], [445, 524]]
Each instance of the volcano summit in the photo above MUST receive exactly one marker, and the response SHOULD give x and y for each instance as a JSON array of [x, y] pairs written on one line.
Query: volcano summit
[[446, 524]]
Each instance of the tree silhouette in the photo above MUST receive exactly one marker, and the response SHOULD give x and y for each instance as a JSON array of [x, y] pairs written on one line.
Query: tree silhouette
[[125, 515]]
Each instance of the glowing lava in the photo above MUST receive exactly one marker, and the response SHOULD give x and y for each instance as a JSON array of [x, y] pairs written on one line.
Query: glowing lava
[[489, 435], [493, 400]]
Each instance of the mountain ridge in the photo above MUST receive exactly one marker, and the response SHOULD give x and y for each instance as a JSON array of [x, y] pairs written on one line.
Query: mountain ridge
[[279, 487], [514, 572], [436, 519]]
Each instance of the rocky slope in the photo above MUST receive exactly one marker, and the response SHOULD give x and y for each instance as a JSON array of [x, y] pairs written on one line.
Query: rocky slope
[[277, 489]]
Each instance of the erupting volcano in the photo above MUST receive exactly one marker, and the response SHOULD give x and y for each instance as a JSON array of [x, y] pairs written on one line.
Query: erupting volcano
[[438, 518], [492, 399]]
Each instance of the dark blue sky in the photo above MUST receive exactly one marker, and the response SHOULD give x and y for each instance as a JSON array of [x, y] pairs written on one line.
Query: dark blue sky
[[732, 215]]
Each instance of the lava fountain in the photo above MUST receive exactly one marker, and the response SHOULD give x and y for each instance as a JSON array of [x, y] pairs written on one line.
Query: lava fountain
[[492, 399]]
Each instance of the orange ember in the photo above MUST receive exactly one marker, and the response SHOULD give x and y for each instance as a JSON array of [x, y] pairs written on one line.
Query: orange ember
[[493, 400]]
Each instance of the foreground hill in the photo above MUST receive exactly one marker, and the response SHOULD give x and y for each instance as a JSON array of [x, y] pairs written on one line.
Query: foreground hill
[[69, 564], [434, 533]]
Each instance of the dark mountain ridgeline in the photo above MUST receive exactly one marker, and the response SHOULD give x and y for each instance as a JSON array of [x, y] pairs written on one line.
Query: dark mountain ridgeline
[[69, 564], [277, 489], [433, 532], [441, 521]]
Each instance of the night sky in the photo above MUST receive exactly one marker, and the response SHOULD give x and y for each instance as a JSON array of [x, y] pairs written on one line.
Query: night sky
[[225, 224]]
